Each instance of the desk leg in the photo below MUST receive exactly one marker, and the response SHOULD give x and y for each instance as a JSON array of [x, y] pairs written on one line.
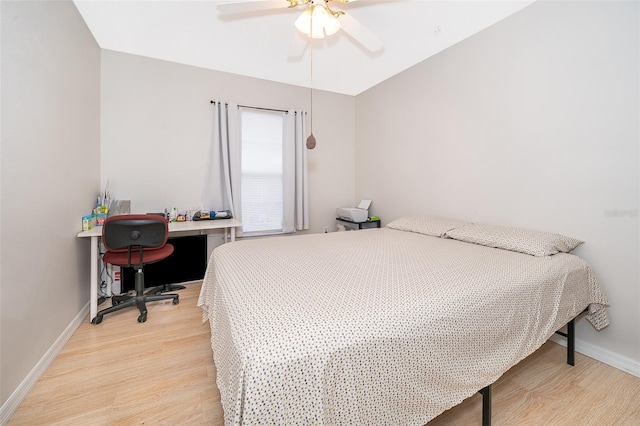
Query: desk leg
[[95, 241], [225, 234], [233, 234]]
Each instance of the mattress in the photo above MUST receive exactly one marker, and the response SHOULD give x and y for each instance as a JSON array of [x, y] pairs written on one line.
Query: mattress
[[378, 326]]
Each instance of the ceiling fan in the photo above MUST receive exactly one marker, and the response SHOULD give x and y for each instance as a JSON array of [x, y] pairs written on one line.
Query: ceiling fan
[[317, 20]]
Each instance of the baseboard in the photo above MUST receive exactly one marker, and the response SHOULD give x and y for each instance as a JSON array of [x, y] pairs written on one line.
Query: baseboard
[[16, 398], [617, 361]]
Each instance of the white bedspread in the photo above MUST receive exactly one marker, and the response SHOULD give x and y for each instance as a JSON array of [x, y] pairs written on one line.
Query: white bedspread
[[378, 326]]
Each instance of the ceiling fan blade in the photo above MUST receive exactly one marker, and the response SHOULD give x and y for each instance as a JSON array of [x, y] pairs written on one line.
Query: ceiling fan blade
[[298, 45], [252, 6], [360, 33]]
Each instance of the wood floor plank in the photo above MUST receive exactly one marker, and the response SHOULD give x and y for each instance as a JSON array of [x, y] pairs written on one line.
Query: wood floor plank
[[161, 372]]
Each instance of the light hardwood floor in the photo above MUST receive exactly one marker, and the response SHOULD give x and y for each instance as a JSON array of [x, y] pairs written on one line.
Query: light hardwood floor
[[161, 372]]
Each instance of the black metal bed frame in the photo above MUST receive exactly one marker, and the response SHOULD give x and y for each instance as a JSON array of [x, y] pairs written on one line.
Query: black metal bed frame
[[570, 335]]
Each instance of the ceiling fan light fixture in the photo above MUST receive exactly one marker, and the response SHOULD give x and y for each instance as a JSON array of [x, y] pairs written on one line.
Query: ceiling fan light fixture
[[323, 22]]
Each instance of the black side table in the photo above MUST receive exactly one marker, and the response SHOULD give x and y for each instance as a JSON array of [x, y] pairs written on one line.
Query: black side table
[[354, 226]]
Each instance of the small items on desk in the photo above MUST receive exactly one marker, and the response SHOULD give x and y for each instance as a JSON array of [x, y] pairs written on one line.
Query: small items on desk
[[210, 215], [102, 206], [88, 222], [96, 218], [101, 216], [106, 207], [174, 215], [100, 211]]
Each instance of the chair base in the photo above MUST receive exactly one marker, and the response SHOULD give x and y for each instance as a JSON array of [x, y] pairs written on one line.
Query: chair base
[[166, 288], [139, 300]]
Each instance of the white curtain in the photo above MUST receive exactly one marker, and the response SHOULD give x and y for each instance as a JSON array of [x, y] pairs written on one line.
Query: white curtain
[[296, 186], [221, 189]]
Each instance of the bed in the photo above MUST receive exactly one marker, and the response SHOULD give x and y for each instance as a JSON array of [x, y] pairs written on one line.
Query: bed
[[384, 326]]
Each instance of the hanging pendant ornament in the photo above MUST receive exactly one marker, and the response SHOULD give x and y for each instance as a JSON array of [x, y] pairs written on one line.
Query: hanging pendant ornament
[[311, 140]]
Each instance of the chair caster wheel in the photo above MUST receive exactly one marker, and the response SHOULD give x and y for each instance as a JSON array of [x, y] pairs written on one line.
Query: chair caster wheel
[[142, 317], [176, 300], [97, 319]]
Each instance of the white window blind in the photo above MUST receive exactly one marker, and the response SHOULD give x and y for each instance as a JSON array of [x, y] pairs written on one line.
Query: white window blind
[[262, 171]]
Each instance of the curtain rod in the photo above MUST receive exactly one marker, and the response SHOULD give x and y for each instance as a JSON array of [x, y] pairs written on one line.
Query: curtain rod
[[264, 109]]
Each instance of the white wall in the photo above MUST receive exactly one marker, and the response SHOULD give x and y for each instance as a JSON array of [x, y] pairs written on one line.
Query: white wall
[[156, 127], [50, 172], [533, 123]]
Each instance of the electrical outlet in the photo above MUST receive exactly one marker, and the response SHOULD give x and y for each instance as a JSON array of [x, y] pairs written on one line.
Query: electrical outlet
[[325, 229]]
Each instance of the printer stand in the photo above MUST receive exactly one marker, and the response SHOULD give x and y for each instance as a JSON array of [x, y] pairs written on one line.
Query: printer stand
[[354, 226]]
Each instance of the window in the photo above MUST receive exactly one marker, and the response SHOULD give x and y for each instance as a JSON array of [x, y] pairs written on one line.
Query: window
[[262, 171]]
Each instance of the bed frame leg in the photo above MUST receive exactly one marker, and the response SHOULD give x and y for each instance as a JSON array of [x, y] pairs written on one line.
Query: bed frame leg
[[571, 341], [486, 405]]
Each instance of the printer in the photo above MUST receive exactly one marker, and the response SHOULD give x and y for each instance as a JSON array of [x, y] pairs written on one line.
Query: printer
[[355, 214]]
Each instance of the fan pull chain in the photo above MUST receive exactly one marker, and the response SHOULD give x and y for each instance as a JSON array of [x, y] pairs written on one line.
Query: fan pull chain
[[311, 140]]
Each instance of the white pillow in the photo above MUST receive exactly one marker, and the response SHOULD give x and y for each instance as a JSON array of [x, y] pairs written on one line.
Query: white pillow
[[521, 240], [426, 225]]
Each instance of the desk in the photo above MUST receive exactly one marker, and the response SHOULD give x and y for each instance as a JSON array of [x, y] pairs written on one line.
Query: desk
[[193, 228]]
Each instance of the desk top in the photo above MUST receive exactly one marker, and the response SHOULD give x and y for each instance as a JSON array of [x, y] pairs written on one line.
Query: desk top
[[189, 226]]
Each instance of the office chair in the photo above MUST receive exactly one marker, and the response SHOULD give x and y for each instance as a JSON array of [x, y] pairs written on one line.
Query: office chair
[[135, 240]]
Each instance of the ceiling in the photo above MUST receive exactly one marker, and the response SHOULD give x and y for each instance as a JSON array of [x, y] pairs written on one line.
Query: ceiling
[[257, 44]]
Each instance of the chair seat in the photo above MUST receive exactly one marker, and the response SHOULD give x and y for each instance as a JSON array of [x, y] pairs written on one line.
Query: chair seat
[[121, 258]]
